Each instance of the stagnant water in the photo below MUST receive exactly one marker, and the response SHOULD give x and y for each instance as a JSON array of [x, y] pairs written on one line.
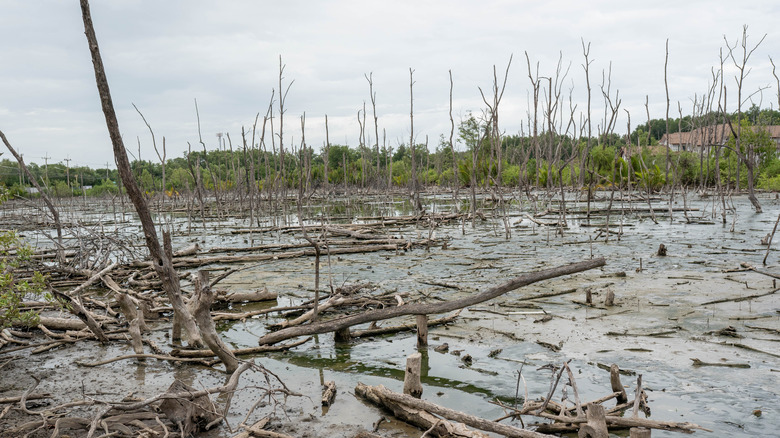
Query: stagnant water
[[661, 321]]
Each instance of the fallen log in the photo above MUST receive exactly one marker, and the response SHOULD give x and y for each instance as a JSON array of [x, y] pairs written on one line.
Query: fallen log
[[328, 393], [429, 308], [248, 296], [397, 402], [239, 351], [201, 261], [82, 313], [403, 327]]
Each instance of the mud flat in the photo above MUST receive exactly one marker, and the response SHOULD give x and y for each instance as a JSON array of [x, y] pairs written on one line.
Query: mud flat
[[699, 326]]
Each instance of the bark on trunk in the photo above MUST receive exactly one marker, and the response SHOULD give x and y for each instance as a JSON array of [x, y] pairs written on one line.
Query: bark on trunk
[[202, 301], [162, 263]]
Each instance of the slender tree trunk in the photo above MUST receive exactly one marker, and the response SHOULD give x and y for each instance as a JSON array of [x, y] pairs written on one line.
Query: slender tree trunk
[[161, 262]]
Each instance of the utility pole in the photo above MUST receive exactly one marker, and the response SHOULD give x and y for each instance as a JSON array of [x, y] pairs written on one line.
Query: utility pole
[[46, 168], [67, 171], [106, 170]]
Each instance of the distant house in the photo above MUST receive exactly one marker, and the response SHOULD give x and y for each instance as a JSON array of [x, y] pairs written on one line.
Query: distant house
[[715, 135]]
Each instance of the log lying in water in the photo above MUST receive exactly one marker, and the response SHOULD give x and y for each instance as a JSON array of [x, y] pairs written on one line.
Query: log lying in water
[[429, 308], [418, 412]]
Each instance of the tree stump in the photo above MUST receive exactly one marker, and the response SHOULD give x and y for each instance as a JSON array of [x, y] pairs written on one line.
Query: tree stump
[[412, 385], [191, 415], [328, 393], [422, 331], [342, 335], [617, 386], [609, 301], [639, 432], [596, 427]]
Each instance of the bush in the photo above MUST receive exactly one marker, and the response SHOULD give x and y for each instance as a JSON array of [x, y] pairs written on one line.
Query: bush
[[12, 289], [510, 176], [106, 187]]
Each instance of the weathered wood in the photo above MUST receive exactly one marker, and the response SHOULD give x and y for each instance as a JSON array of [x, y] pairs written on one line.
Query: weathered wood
[[248, 430], [333, 301], [403, 327], [188, 251], [250, 296], [412, 385], [609, 301], [202, 300], [422, 331], [341, 334], [54, 214], [430, 308], [83, 314], [131, 314], [306, 252], [52, 323], [6, 400], [596, 427], [639, 432], [160, 261], [617, 386], [256, 431], [192, 414], [400, 405], [328, 393], [239, 351]]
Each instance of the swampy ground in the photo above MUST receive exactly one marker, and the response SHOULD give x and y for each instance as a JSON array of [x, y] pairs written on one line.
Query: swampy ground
[[660, 322]]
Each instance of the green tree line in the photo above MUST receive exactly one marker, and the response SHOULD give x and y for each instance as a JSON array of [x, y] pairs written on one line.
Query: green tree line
[[547, 160]]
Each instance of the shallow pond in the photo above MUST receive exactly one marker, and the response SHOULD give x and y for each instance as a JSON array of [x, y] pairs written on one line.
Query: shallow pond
[[660, 323]]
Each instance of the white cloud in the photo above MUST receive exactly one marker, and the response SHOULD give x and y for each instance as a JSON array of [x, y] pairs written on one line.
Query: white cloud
[[163, 55]]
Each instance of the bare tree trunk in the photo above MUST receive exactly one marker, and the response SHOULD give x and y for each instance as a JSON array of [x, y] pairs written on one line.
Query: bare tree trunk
[[456, 180], [54, 213], [412, 148], [161, 262], [202, 300], [376, 123], [327, 152]]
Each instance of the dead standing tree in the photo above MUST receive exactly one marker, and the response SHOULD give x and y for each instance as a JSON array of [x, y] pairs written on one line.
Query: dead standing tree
[[495, 137], [455, 180], [741, 65], [412, 149], [160, 260], [54, 213]]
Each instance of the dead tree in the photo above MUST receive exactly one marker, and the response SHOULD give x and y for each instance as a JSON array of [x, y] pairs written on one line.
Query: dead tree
[[741, 65], [455, 179], [370, 79], [160, 260], [666, 87], [154, 144], [412, 148], [54, 213]]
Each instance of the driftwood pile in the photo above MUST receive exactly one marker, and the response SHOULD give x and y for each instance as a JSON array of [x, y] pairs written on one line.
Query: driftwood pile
[[587, 419], [124, 315]]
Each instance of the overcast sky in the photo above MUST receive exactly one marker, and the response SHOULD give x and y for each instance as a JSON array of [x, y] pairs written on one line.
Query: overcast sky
[[162, 55]]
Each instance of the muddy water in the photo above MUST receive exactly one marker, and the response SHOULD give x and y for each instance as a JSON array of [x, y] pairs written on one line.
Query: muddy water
[[660, 322]]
